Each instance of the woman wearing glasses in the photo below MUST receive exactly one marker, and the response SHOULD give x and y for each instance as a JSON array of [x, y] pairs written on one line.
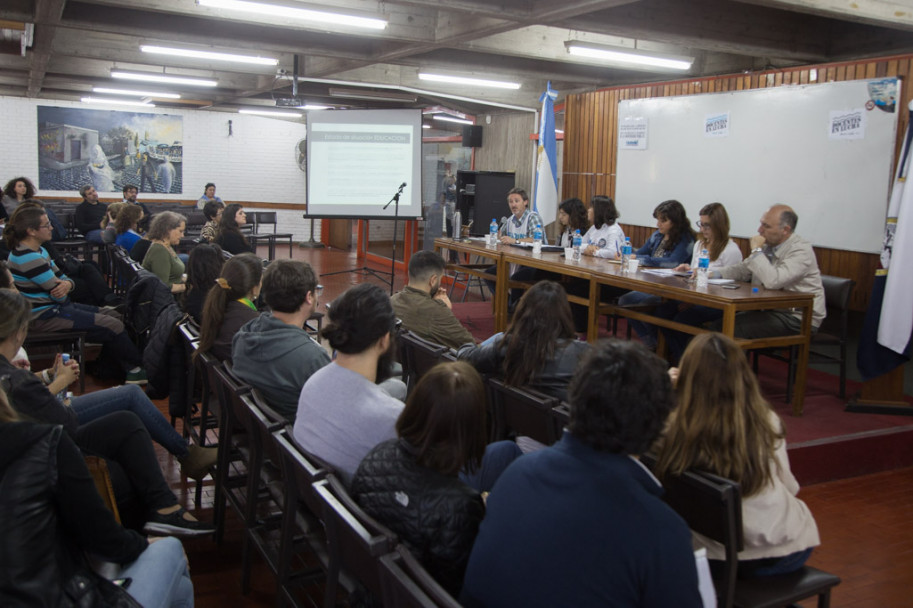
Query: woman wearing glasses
[[47, 290], [722, 251]]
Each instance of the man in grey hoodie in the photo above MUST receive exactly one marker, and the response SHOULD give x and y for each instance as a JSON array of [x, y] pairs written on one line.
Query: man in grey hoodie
[[273, 353]]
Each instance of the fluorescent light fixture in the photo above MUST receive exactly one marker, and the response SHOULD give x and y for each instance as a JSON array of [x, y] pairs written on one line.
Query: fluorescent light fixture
[[273, 113], [426, 126], [289, 12], [479, 82], [462, 121], [117, 102], [211, 55], [371, 95], [628, 57], [128, 92], [163, 78], [314, 106]]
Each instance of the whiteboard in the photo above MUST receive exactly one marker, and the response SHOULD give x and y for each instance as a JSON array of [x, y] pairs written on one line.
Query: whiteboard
[[825, 149]]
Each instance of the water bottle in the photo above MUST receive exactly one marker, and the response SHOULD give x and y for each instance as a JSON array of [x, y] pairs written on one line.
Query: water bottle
[[577, 243], [537, 234], [537, 241], [626, 251], [493, 232], [703, 268], [62, 395]]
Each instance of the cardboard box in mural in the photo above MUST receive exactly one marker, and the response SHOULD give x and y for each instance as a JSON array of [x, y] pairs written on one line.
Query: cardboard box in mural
[[109, 149]]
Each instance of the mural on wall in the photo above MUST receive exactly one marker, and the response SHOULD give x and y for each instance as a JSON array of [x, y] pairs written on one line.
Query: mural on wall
[[109, 149]]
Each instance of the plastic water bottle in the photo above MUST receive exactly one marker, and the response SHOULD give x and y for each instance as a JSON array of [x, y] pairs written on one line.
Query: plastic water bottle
[[493, 232], [62, 395], [626, 251], [703, 268], [577, 243], [537, 234], [537, 241]]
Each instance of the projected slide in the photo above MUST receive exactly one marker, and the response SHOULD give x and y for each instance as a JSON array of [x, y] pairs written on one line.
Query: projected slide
[[357, 161]]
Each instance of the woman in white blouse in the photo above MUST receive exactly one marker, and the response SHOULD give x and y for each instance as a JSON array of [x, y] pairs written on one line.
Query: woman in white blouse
[[605, 237], [723, 251]]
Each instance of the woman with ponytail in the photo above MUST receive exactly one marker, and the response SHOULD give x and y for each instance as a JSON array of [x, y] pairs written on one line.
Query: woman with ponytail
[[229, 305]]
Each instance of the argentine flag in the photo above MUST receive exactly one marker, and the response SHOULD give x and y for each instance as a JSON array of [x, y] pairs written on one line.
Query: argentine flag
[[546, 198]]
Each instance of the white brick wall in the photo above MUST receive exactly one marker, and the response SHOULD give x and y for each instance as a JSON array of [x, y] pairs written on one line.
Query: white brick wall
[[256, 163]]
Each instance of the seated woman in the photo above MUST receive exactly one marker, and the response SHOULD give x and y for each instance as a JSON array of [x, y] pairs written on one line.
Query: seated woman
[[605, 237], [722, 251], [229, 237], [539, 348], [668, 247], [230, 304], [165, 233], [125, 224], [441, 433], [21, 189], [572, 215], [46, 288], [723, 425], [108, 226], [111, 430], [62, 515], [213, 212], [203, 268]]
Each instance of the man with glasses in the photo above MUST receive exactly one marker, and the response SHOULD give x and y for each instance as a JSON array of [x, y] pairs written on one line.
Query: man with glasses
[[779, 259], [273, 353]]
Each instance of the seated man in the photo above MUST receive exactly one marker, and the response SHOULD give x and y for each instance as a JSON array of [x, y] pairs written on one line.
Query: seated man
[[273, 353], [779, 259], [582, 523], [423, 305], [342, 412], [89, 214]]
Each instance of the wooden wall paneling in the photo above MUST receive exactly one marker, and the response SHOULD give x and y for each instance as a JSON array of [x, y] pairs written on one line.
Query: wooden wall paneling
[[595, 115], [501, 151]]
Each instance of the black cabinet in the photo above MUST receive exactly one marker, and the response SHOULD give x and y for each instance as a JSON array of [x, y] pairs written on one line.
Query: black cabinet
[[482, 195]]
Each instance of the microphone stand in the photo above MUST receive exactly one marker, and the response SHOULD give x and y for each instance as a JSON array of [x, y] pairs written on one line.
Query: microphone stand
[[365, 270], [395, 201]]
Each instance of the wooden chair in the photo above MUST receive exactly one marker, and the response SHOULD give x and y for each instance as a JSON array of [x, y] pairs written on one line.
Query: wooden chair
[[234, 451], [98, 469], [355, 540], [407, 584], [523, 411], [418, 355], [831, 335], [263, 508], [73, 342], [712, 506], [198, 420], [301, 532]]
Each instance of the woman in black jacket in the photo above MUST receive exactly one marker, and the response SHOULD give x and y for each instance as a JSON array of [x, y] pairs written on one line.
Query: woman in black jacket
[[412, 484], [539, 349], [229, 236], [53, 515]]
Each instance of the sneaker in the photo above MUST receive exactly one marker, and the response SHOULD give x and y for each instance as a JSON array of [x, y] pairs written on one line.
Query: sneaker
[[174, 524], [198, 461], [136, 377]]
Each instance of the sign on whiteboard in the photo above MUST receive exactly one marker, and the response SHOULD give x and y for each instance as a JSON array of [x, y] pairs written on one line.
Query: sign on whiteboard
[[632, 134], [716, 125], [847, 124]]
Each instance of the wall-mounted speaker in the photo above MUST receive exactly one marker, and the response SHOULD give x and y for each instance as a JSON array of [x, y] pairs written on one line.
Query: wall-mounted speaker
[[472, 136]]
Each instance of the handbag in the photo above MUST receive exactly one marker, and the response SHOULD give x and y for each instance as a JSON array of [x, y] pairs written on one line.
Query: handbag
[[88, 590]]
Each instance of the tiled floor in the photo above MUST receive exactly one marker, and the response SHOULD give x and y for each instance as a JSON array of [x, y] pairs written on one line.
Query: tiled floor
[[866, 523]]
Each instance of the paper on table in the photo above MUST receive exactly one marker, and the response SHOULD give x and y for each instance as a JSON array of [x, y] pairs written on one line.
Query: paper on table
[[663, 272], [720, 281]]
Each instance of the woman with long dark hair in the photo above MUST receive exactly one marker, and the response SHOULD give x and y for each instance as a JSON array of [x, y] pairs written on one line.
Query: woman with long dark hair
[[203, 268], [229, 236], [725, 426], [125, 225], [441, 432], [21, 189], [572, 216], [539, 349], [229, 305], [668, 247]]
